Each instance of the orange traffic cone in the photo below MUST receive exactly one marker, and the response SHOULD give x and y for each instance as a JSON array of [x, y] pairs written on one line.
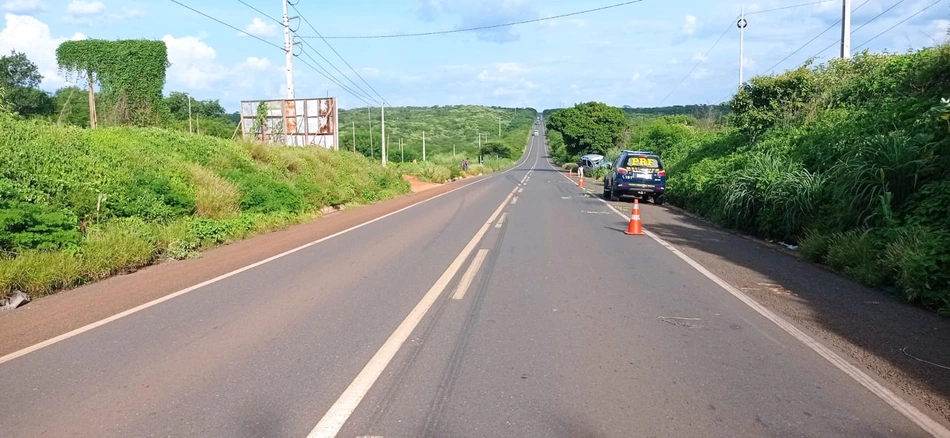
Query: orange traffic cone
[[570, 173], [580, 179], [636, 227]]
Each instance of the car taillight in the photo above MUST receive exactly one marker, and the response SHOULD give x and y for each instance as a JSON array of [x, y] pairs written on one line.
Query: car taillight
[[661, 173], [622, 171]]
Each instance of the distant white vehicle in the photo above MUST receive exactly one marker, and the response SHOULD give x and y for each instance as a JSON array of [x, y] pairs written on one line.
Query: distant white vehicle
[[536, 132]]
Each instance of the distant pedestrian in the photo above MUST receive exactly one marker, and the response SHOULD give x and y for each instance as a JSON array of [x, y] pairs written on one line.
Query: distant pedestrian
[[465, 165]]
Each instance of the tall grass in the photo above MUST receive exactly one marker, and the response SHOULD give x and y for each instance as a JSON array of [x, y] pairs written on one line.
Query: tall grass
[[215, 197], [143, 195]]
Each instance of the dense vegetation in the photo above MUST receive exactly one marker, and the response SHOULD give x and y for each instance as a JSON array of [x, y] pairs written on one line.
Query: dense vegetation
[[451, 134], [850, 160], [78, 204]]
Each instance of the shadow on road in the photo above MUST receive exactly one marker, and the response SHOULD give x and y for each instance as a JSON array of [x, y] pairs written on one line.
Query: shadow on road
[[876, 329], [869, 320]]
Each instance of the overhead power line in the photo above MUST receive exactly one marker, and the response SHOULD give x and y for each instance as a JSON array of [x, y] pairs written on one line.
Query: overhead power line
[[382, 99], [226, 24], [282, 49], [330, 78], [899, 23], [261, 12], [473, 29], [869, 22], [364, 93], [698, 62], [788, 7], [834, 25]]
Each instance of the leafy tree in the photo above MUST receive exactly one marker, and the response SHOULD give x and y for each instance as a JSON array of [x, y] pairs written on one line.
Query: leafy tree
[[494, 148], [70, 108], [21, 78], [589, 127], [131, 74], [177, 103]]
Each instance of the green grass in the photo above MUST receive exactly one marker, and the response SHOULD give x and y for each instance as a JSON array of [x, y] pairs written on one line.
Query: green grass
[[79, 205]]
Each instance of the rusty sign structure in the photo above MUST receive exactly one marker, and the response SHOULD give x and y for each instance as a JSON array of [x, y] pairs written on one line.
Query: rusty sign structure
[[294, 122]]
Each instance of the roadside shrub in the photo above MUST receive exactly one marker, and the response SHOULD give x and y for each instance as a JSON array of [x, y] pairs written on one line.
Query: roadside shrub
[[920, 260], [31, 226], [215, 197], [857, 254], [814, 246], [39, 272], [569, 166], [118, 246], [258, 150], [597, 173], [434, 173], [772, 195]]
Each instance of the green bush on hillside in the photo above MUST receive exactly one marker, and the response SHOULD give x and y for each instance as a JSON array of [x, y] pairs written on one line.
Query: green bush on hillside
[[92, 203]]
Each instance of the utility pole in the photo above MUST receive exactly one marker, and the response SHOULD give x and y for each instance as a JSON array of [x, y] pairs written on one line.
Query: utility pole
[[289, 48], [423, 145], [402, 156], [846, 29], [382, 134], [741, 24], [369, 116], [354, 135], [189, 114], [499, 127]]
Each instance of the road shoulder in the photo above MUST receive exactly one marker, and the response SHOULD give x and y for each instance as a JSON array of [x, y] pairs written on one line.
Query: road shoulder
[[905, 347], [54, 315]]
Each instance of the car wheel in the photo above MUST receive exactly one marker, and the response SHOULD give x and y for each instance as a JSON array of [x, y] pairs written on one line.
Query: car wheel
[[658, 200]]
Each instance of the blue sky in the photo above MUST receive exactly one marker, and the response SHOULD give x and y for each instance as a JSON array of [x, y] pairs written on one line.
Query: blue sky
[[631, 55]]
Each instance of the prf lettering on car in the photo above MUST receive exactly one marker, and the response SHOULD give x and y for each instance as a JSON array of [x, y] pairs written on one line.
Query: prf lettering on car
[[639, 162]]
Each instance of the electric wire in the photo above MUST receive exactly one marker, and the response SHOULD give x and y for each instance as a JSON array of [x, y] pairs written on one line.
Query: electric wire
[[834, 25], [474, 29], [226, 24], [382, 99], [898, 24], [698, 62], [261, 12], [282, 49]]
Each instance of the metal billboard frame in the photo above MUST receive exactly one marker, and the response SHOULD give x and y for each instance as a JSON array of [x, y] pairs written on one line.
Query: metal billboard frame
[[293, 122]]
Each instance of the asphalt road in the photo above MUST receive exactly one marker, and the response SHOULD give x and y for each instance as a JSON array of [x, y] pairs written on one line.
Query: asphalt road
[[567, 327]]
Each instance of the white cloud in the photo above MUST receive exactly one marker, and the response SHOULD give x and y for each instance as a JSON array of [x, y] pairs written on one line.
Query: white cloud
[[699, 57], [82, 7], [25, 6], [258, 63], [700, 73], [748, 63], [635, 77], [28, 35], [193, 62], [690, 26], [260, 28]]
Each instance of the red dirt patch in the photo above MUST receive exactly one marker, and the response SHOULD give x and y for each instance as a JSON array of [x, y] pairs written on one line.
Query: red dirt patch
[[419, 186]]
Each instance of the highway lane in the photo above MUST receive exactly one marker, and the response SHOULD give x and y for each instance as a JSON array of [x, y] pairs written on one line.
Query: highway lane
[[261, 353], [568, 328], [575, 329]]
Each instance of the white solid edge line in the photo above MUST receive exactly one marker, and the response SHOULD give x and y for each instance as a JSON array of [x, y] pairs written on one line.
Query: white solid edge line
[[501, 220], [899, 404], [514, 200], [469, 274], [340, 412], [139, 308]]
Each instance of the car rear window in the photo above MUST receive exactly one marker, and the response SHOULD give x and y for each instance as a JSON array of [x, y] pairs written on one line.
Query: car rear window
[[634, 162]]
